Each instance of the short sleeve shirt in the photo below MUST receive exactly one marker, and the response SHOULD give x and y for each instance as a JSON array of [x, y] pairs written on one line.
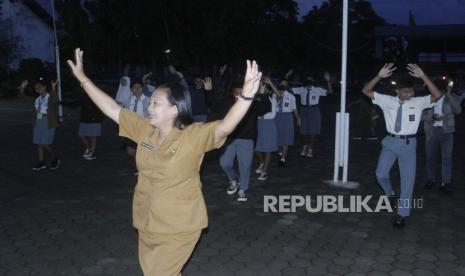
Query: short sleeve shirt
[[309, 95], [411, 112], [168, 196], [286, 103]]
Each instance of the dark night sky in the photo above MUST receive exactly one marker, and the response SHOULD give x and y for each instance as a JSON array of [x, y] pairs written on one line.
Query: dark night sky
[[426, 12]]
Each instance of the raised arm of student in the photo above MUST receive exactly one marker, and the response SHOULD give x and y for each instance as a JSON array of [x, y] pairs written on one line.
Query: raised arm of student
[[144, 77], [268, 81], [240, 107], [327, 78], [104, 102], [415, 70], [53, 90], [385, 72]]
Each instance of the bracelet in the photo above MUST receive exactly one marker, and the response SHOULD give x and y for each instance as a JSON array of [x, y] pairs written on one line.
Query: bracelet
[[84, 82], [245, 98]]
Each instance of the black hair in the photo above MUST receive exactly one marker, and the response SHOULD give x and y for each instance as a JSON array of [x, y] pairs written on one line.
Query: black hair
[[405, 82], [41, 81], [136, 81], [181, 98], [309, 80]]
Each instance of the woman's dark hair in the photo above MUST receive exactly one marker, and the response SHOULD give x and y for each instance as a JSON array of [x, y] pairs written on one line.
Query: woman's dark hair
[[181, 98]]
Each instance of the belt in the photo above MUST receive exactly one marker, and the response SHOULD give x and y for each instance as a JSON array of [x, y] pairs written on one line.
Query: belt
[[402, 136], [313, 105], [406, 137]]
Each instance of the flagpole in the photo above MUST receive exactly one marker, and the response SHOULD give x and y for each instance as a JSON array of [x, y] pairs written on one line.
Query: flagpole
[[341, 149], [57, 62]]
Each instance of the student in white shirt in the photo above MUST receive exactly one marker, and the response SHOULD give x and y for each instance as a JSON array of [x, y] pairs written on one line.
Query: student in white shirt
[[286, 107], [402, 115], [44, 116], [267, 133], [310, 112], [138, 103]]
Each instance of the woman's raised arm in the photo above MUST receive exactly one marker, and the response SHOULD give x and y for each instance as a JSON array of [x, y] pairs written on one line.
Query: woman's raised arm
[[104, 102], [239, 109]]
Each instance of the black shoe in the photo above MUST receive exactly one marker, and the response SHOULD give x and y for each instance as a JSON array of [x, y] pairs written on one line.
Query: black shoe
[[399, 221], [429, 184], [40, 166], [282, 162], [55, 164], [445, 189]]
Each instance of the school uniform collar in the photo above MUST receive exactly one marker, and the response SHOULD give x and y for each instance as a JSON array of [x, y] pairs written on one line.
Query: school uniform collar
[[44, 96], [141, 97]]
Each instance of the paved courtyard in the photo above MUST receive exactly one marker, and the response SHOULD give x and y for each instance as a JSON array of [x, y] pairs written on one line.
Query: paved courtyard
[[77, 220]]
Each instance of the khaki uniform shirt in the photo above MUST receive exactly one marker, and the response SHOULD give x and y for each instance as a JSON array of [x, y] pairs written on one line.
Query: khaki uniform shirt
[[168, 196]]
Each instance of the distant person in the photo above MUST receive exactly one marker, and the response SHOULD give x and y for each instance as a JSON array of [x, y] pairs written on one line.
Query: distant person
[[138, 103], [402, 114], [148, 83], [286, 108], [198, 96], [267, 133], [124, 94], [310, 125], [90, 126], [439, 126], [45, 121]]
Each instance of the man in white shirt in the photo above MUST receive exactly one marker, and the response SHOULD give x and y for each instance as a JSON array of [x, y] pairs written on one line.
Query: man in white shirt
[[402, 115], [310, 113]]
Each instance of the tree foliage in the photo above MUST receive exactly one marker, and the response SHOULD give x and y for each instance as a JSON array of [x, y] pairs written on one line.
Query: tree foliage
[[204, 33]]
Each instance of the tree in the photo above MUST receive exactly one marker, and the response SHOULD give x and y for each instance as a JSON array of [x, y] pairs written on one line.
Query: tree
[[9, 46], [322, 28]]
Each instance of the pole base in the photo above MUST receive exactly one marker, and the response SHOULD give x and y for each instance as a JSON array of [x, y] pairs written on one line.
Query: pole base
[[346, 185]]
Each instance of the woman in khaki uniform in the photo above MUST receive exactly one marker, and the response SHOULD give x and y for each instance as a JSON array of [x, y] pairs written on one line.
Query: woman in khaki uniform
[[168, 208]]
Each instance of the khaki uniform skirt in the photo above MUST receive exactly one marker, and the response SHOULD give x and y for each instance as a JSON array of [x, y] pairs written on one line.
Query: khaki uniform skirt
[[165, 254]]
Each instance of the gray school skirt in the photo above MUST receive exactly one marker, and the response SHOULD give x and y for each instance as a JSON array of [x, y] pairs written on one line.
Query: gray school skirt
[[41, 134], [90, 129], [267, 138], [310, 120], [285, 125]]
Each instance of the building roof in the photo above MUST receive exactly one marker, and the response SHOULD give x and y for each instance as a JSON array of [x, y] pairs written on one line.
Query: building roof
[[424, 31]]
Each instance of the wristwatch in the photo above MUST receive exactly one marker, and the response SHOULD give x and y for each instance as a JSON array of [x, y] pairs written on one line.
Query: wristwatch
[[244, 97]]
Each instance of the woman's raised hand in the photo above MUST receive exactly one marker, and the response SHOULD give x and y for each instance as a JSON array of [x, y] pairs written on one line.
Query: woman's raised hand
[[251, 79]]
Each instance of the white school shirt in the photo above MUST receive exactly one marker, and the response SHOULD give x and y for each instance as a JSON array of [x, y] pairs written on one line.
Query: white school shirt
[[438, 111], [142, 105], [287, 103], [411, 112], [270, 115], [314, 92], [41, 104]]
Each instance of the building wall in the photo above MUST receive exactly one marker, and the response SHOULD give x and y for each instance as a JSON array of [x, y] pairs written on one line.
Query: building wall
[[36, 38]]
